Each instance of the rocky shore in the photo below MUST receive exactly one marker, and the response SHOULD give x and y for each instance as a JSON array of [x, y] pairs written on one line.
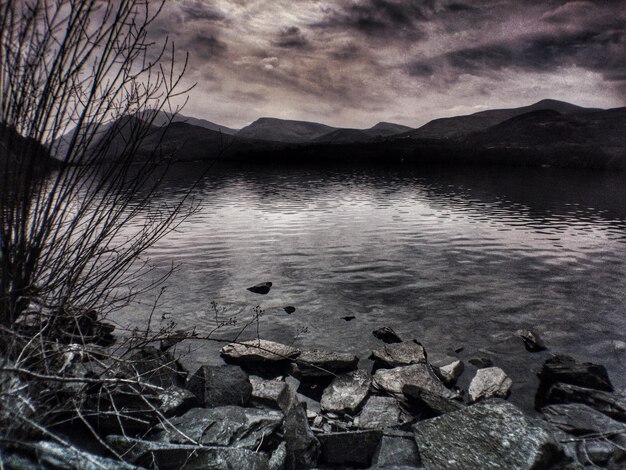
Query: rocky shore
[[274, 406]]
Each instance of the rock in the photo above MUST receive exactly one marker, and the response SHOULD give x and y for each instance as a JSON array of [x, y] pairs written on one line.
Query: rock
[[450, 373], [382, 412], [175, 401], [355, 448], [491, 382], [599, 453], [220, 385], [320, 363], [302, 447], [490, 435], [397, 452], [481, 362], [567, 370], [51, 455], [348, 318], [577, 419], [289, 309], [346, 393], [420, 375], [386, 335], [400, 354], [155, 367], [262, 288], [258, 350], [167, 456], [429, 404], [272, 393], [279, 457], [532, 341], [233, 426], [611, 404]]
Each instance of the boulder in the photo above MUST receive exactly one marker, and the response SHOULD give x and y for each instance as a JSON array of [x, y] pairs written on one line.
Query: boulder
[[382, 412], [320, 363], [490, 435], [420, 375], [355, 448], [233, 426], [272, 393], [167, 456], [302, 448], [532, 341], [155, 367], [449, 373], [258, 350], [175, 401], [611, 404], [565, 369], [220, 385], [386, 335], [346, 393], [399, 354], [429, 404], [577, 419], [397, 452], [491, 382]]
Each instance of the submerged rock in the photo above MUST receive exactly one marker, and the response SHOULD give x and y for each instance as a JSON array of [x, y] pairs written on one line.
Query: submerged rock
[[420, 375], [383, 412], [220, 385], [346, 393], [262, 288], [321, 363], [258, 350], [302, 447], [354, 448], [490, 435], [576, 418], [532, 341], [611, 404], [386, 335], [489, 383], [400, 354], [481, 362]]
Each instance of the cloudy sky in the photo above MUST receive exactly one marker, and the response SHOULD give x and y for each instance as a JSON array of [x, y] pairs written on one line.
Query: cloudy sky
[[356, 62]]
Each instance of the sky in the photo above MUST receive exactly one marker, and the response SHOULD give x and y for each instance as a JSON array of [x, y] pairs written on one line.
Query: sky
[[353, 63]]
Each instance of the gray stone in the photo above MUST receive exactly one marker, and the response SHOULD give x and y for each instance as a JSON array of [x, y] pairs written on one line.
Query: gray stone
[[259, 350], [220, 385], [272, 393], [232, 426], [302, 447], [175, 401], [428, 403], [396, 451], [321, 363], [449, 373], [346, 393], [382, 412], [355, 448], [387, 335], [420, 375], [489, 435], [167, 456], [532, 341], [491, 382], [576, 418], [400, 354], [611, 404], [279, 457]]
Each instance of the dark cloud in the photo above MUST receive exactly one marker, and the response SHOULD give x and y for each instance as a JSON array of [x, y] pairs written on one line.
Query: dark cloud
[[347, 52], [201, 10], [291, 37], [206, 46]]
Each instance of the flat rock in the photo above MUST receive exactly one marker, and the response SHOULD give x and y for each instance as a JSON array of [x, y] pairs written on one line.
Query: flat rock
[[382, 412], [576, 418], [396, 452], [491, 382], [220, 385], [258, 350], [387, 335], [175, 401], [420, 375], [400, 354], [611, 404], [355, 448], [428, 403], [302, 447], [532, 341], [234, 426], [346, 393], [321, 363], [167, 456], [489, 435]]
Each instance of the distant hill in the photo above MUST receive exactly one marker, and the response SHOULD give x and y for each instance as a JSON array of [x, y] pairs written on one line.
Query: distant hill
[[459, 126], [281, 130], [344, 136], [386, 129], [162, 118]]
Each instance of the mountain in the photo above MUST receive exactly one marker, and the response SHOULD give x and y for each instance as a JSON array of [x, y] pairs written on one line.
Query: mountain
[[281, 130], [458, 126], [162, 118], [341, 136], [386, 129]]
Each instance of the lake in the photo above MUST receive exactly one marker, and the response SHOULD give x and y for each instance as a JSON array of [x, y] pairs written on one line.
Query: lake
[[455, 258]]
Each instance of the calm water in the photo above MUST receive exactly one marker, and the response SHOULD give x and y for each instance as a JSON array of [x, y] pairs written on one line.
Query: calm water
[[453, 258]]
